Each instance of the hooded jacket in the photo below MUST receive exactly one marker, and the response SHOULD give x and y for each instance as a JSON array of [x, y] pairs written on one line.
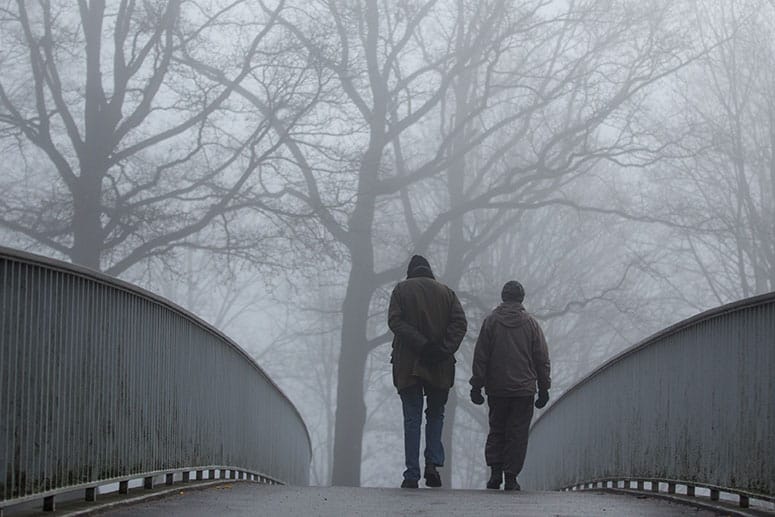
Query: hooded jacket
[[424, 311], [511, 356]]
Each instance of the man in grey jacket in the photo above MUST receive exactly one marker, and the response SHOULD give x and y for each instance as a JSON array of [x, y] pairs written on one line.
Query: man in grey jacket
[[510, 358]]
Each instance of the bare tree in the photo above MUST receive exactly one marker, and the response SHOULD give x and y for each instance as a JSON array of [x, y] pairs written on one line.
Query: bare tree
[[384, 100], [553, 95], [529, 125], [120, 153], [503, 106], [722, 192]]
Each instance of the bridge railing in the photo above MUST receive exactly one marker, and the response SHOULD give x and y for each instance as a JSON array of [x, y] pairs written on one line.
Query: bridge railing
[[693, 406], [103, 382]]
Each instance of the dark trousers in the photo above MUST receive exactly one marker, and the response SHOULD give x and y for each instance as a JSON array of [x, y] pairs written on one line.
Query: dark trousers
[[509, 425], [412, 403]]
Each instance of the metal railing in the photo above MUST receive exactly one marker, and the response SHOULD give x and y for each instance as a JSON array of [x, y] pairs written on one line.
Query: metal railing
[[103, 382], [693, 405]]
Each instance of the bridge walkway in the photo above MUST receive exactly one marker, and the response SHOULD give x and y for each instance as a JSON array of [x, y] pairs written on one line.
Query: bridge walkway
[[250, 499]]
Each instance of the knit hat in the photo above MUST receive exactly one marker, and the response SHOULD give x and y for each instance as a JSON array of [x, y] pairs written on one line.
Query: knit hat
[[513, 292]]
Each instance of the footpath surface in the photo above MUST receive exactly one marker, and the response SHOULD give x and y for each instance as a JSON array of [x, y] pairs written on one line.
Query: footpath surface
[[250, 499]]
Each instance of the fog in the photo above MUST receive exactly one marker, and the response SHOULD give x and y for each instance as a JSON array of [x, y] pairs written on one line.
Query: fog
[[272, 166]]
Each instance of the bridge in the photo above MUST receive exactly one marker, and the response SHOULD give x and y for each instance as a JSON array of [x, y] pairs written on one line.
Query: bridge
[[98, 389]]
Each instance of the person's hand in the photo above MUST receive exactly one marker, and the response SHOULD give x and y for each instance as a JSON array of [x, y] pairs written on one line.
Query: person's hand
[[432, 354], [543, 398], [476, 396]]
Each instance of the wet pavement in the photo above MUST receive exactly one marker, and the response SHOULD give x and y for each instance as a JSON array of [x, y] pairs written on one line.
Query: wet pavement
[[249, 499]]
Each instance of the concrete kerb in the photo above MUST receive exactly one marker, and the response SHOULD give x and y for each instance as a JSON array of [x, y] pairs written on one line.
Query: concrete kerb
[[694, 501], [121, 500]]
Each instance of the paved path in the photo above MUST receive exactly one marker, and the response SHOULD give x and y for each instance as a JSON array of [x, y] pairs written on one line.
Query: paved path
[[248, 499]]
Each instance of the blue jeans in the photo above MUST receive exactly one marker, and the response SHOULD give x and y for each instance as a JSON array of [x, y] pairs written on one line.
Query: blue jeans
[[412, 403]]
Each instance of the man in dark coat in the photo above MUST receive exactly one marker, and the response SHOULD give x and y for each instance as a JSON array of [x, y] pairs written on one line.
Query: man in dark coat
[[510, 358], [428, 324]]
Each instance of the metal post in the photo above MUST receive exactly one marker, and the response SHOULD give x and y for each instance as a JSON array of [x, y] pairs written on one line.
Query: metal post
[[690, 490], [148, 482], [744, 501], [91, 494], [48, 504], [123, 487], [199, 475], [714, 494], [640, 485], [186, 476], [212, 474], [655, 486], [670, 487], [170, 478]]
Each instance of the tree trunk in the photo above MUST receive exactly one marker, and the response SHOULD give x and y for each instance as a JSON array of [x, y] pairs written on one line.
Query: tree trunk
[[87, 228], [350, 405], [453, 271]]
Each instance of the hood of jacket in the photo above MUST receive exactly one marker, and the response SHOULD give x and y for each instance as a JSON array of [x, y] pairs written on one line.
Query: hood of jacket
[[511, 314], [419, 267]]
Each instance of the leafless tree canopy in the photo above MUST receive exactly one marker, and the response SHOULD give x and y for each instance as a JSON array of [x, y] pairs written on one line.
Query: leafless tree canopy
[[273, 165]]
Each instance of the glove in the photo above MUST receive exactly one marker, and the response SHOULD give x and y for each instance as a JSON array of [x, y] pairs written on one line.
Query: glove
[[543, 398], [476, 396], [432, 354]]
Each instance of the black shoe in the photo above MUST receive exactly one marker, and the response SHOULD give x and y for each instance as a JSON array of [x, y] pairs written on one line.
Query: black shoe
[[496, 477], [409, 483], [511, 482], [432, 477]]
